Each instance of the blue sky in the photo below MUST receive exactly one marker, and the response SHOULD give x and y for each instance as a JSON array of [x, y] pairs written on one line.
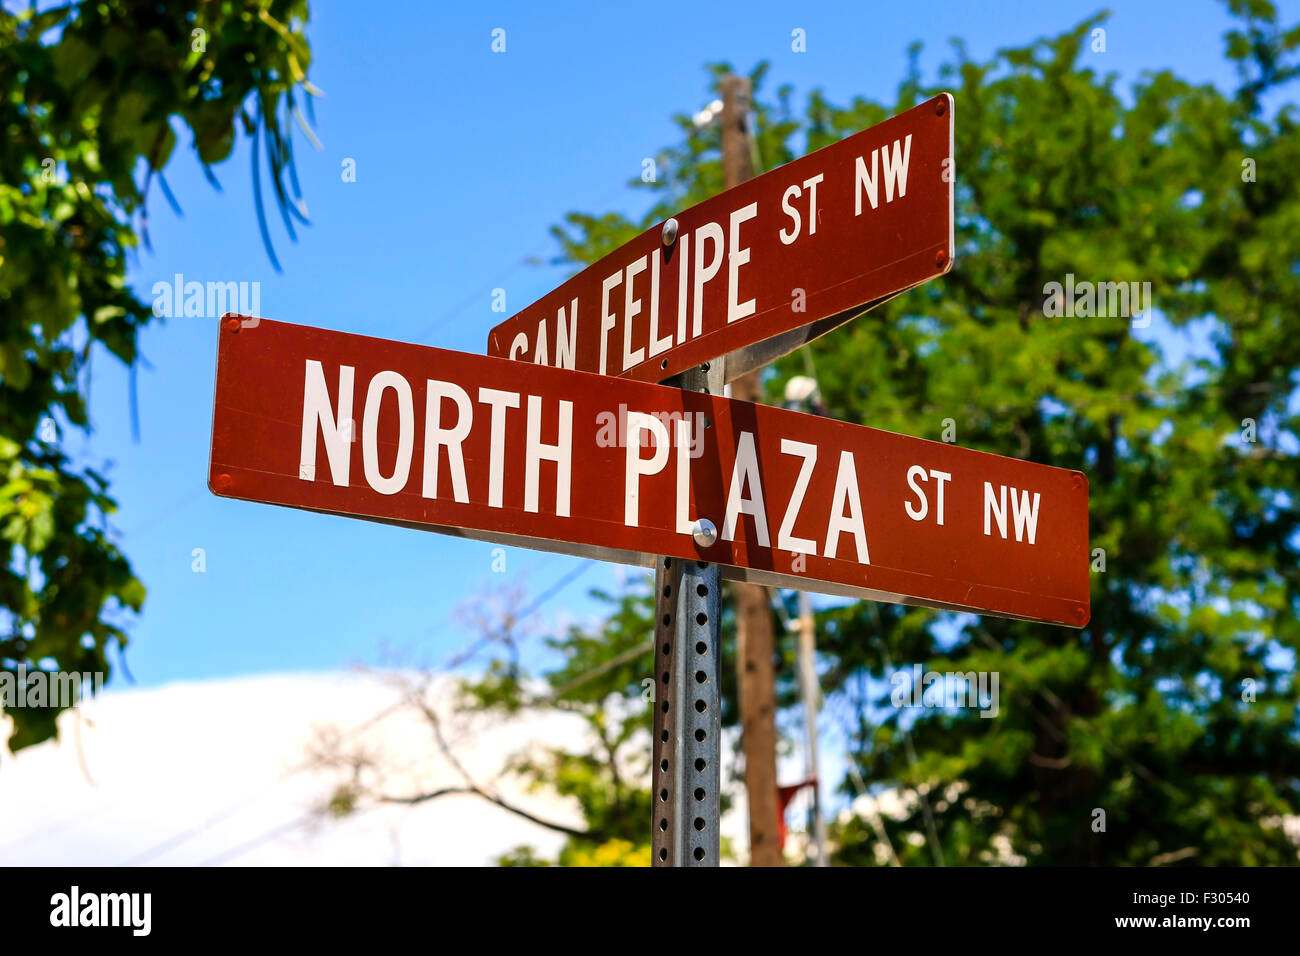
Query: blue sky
[[464, 158]]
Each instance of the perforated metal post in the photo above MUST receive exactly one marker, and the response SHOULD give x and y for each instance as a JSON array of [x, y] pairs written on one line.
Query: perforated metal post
[[688, 720]]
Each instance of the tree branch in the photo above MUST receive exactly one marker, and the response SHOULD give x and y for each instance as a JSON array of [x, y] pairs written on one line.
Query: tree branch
[[490, 798]]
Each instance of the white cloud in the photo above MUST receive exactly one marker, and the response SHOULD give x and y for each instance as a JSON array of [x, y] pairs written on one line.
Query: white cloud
[[200, 772]]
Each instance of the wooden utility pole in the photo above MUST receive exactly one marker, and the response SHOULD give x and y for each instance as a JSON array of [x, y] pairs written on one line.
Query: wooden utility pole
[[754, 639]]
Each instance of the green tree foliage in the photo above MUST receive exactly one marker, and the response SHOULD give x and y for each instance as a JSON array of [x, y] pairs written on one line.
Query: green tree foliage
[[1174, 711], [95, 98], [596, 676]]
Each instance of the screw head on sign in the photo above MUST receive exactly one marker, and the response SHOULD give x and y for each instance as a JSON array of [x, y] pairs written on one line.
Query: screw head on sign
[[940, 259], [704, 531], [232, 324], [941, 106], [222, 482], [670, 232]]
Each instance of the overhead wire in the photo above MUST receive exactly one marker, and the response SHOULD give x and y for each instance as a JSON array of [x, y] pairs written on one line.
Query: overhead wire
[[185, 835]]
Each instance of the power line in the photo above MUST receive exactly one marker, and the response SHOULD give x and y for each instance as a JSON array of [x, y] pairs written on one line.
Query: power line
[[291, 825], [257, 841], [522, 615], [556, 588], [465, 303], [189, 833]]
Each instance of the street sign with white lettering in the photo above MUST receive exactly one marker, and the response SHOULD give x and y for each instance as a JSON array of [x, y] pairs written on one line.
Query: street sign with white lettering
[[757, 271], [623, 470]]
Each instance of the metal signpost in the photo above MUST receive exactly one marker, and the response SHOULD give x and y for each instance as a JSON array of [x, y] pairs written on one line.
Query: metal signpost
[[681, 478], [685, 776], [744, 278]]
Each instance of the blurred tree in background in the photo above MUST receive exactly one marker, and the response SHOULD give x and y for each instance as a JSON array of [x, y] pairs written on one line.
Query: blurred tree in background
[[1174, 711], [95, 98], [598, 680]]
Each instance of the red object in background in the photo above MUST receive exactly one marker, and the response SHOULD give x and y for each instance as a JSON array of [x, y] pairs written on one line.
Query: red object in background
[[620, 470], [779, 259], [783, 797]]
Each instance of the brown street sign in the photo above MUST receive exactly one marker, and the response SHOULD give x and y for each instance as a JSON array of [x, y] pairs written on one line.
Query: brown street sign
[[757, 271], [621, 470]]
